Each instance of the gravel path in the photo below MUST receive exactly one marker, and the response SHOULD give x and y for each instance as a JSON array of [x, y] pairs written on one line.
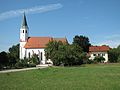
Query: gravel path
[[24, 69]]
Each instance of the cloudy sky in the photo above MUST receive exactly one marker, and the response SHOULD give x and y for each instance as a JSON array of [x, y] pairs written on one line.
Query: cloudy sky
[[97, 19]]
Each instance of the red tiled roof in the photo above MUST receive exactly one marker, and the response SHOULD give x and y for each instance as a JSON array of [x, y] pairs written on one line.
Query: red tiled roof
[[40, 42], [103, 48], [37, 42]]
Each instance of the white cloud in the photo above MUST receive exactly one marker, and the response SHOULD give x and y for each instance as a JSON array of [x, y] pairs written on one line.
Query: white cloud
[[113, 37], [33, 10], [111, 43], [113, 40]]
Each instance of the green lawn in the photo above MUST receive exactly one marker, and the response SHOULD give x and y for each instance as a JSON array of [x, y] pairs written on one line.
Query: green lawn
[[86, 77]]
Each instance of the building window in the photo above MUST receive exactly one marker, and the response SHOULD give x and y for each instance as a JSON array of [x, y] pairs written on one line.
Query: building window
[[94, 54], [103, 54], [25, 53], [41, 56], [23, 31], [33, 52], [29, 55], [98, 54], [26, 31]]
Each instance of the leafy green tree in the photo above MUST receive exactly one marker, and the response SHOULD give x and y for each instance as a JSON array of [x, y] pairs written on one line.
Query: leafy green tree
[[82, 41], [64, 53], [14, 51], [114, 55], [52, 52], [51, 48], [13, 55], [74, 55], [85, 58]]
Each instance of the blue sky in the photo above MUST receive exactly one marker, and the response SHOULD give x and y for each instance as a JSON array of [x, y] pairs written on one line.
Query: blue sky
[[97, 19]]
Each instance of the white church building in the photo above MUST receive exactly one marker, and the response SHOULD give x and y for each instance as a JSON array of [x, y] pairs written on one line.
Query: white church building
[[34, 45]]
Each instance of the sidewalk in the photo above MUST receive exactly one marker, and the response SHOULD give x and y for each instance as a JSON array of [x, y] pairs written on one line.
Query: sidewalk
[[24, 69]]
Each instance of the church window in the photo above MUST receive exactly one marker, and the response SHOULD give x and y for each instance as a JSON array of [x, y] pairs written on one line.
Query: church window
[[98, 54], [103, 54], [32, 51], [41, 55], [29, 54], [23, 31], [94, 54], [26, 31], [25, 53]]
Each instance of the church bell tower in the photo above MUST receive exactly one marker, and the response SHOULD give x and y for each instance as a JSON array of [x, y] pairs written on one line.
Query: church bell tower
[[24, 30], [23, 36]]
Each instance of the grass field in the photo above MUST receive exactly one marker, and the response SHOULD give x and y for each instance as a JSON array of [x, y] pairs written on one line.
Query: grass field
[[86, 77]]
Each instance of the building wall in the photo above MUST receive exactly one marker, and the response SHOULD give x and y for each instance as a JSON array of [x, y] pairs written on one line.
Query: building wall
[[23, 34], [39, 52], [22, 50], [103, 54]]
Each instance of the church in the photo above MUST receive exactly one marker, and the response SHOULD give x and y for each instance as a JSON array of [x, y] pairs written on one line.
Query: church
[[34, 45]]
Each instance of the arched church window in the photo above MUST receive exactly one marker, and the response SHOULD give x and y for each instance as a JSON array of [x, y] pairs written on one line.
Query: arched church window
[[29, 55], [26, 31], [41, 56], [23, 31], [32, 51], [38, 51], [25, 53]]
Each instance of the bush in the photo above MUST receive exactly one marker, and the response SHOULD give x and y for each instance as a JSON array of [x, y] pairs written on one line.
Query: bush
[[34, 59], [88, 61], [23, 63], [32, 65], [1, 66], [118, 60], [99, 59], [18, 65]]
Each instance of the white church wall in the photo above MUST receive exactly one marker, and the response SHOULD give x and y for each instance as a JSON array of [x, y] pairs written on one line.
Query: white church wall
[[23, 34], [22, 50], [38, 52]]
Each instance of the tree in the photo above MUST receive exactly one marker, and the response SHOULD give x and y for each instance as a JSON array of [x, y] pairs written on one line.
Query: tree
[[51, 48], [3, 59], [114, 55], [82, 41], [13, 55], [74, 54], [64, 53], [14, 51], [52, 52]]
